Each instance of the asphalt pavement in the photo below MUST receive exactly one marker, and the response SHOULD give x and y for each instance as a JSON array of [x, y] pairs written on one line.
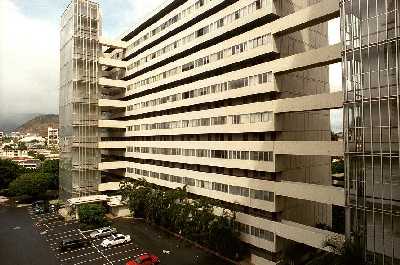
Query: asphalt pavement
[[20, 243], [30, 239]]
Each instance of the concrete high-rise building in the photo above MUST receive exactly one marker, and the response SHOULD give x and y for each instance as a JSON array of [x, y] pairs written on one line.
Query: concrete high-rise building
[[371, 57], [52, 136], [232, 99], [79, 113]]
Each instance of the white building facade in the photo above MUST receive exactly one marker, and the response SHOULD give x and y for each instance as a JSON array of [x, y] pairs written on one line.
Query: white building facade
[[231, 99]]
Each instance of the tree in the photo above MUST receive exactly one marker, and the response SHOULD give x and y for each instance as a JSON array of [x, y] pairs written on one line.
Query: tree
[[51, 168], [223, 237], [41, 157], [22, 146], [92, 215], [194, 219], [9, 171], [34, 184]]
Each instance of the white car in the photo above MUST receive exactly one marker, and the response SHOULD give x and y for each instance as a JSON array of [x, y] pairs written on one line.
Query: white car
[[114, 240], [102, 232]]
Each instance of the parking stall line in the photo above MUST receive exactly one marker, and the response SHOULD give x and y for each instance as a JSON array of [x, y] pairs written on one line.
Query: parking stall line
[[73, 251], [123, 259], [58, 242], [45, 219], [53, 227], [85, 231], [117, 246], [58, 222], [51, 237], [79, 256], [122, 252], [62, 233], [90, 260], [101, 253]]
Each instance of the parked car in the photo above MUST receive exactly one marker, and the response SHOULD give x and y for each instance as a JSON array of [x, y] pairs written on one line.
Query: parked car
[[102, 232], [68, 244], [144, 259], [115, 239]]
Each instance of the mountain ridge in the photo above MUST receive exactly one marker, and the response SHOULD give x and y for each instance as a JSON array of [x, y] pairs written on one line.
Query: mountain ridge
[[39, 124]]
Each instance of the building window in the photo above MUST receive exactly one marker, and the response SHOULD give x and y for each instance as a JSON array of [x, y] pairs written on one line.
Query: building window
[[187, 67]]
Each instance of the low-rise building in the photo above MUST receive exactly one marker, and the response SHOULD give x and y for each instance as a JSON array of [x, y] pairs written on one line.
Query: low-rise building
[[13, 153], [26, 162]]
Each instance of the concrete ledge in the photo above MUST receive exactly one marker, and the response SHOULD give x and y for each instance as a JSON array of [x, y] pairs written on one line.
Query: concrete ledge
[[310, 59], [112, 62], [307, 103], [112, 124], [116, 44], [113, 165], [112, 103], [107, 82], [312, 15], [311, 192]]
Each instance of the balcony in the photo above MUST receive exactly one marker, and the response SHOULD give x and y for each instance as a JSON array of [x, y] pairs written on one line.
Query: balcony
[[108, 186], [209, 90], [112, 165], [297, 232], [228, 52], [112, 63], [108, 103], [111, 124], [202, 33], [115, 44], [85, 100], [312, 15], [311, 192], [107, 82]]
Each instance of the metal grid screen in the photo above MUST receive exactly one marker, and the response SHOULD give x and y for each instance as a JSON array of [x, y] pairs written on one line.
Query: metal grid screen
[[79, 114], [370, 36]]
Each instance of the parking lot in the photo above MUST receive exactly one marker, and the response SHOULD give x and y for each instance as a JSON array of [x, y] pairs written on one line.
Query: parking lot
[[53, 229]]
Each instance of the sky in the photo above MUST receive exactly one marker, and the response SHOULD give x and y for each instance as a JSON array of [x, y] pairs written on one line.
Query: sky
[[29, 48]]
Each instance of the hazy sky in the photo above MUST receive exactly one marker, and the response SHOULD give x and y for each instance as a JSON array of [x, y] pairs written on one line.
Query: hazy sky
[[29, 48]]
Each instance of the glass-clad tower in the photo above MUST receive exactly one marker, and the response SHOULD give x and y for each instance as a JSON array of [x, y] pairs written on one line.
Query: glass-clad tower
[[79, 51], [371, 57]]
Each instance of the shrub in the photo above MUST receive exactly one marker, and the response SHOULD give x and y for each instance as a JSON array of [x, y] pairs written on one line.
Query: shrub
[[92, 215], [9, 170], [34, 184]]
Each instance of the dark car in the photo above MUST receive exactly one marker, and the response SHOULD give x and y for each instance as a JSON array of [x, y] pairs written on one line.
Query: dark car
[[144, 259], [68, 244]]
